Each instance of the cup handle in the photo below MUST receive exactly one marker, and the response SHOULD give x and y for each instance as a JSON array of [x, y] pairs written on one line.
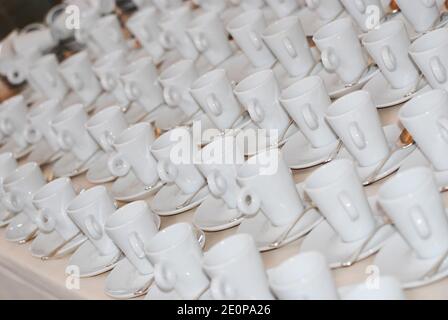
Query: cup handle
[[171, 96], [330, 60], [77, 82], [360, 6], [65, 140], [256, 41], [167, 172], [248, 202], [131, 91], [118, 166], [388, 59], [310, 117], [443, 128], [349, 208], [255, 111], [220, 290], [6, 126], [419, 222], [44, 221], [93, 228], [137, 245], [213, 105], [32, 135], [164, 276], [429, 3], [13, 202], [438, 70], [357, 136], [108, 82], [289, 48], [201, 42], [216, 183]]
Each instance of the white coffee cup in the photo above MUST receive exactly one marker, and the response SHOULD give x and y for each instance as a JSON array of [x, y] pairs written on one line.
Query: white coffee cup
[[7, 165], [107, 34], [69, 126], [144, 26], [130, 227], [325, 10], [181, 171], [388, 288], [259, 94], [341, 50], [362, 12], [13, 119], [90, 210], [430, 53], [51, 202], [40, 118], [388, 45], [286, 39], [176, 81], [108, 69], [246, 30], [306, 102], [140, 81], [422, 14], [174, 36], [44, 73], [78, 73], [412, 200], [355, 120], [337, 191], [177, 259], [236, 270], [210, 37], [283, 8], [214, 94], [426, 119], [133, 153], [305, 276], [267, 184]]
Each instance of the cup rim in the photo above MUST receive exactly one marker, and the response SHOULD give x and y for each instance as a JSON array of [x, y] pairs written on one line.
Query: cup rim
[[48, 190], [421, 46], [329, 30], [127, 215], [20, 173], [173, 72], [300, 88], [86, 199], [214, 252], [207, 79], [131, 134], [141, 13], [13, 101], [313, 181], [43, 107], [82, 55], [418, 106], [390, 28], [137, 66], [175, 234], [201, 20], [280, 26], [103, 116], [250, 168], [254, 81], [164, 141], [244, 19], [347, 104], [67, 114], [166, 18], [105, 61]]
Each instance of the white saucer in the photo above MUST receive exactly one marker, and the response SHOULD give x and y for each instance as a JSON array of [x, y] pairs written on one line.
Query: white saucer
[[129, 188], [392, 133], [397, 259], [298, 152], [5, 217], [325, 240], [214, 215], [99, 172], [135, 113], [168, 117], [90, 262], [20, 229], [71, 246], [69, 166], [383, 95], [45, 243], [43, 154], [170, 197], [264, 233]]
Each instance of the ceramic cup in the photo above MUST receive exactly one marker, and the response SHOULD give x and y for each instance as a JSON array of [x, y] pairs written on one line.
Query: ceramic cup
[[325, 10], [355, 120], [7, 165], [44, 73], [39, 119], [69, 126], [220, 160], [430, 53], [361, 11], [180, 170], [177, 259], [305, 276], [388, 45], [236, 270], [283, 8], [214, 94], [78, 73], [210, 37], [337, 191], [130, 227], [246, 30], [107, 34], [143, 24], [306, 102], [174, 36], [19, 187], [51, 202], [259, 94], [422, 14], [176, 81], [90, 210], [426, 118], [286, 39], [13, 119], [140, 81], [412, 200], [341, 50], [133, 153], [108, 69], [389, 288], [273, 191]]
